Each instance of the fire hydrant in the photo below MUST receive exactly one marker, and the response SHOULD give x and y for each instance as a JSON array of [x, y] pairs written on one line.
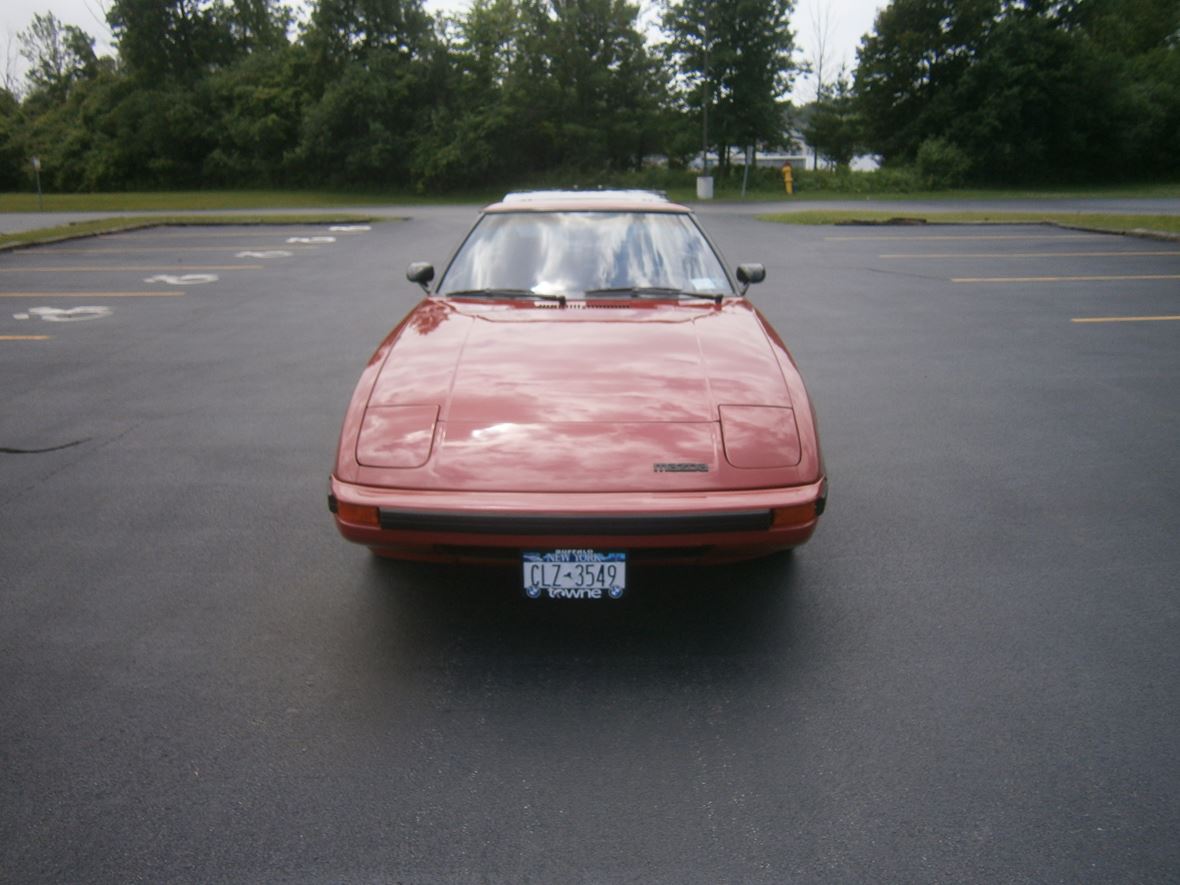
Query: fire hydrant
[[788, 178]]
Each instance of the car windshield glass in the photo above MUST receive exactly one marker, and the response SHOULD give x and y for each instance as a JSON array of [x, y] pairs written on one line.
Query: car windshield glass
[[605, 254]]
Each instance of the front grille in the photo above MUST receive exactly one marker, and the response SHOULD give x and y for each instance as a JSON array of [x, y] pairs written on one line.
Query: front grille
[[512, 555], [620, 525]]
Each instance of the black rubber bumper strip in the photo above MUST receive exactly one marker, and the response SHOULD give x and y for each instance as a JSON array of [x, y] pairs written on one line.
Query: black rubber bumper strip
[[566, 524]]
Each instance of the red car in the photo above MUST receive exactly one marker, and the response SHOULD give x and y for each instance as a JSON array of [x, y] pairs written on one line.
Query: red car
[[586, 388]]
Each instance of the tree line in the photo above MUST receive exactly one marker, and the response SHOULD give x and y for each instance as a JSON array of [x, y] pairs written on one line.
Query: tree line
[[378, 94], [1016, 91]]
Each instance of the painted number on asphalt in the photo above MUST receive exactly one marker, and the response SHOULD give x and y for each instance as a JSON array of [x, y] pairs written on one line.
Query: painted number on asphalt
[[188, 279], [64, 315]]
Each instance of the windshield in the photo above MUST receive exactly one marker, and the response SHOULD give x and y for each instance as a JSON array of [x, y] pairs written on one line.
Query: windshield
[[575, 253]]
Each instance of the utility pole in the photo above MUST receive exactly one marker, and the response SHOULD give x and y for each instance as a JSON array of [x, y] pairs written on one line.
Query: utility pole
[[705, 104]]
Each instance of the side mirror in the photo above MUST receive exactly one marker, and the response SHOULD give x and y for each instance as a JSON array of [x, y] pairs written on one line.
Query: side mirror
[[421, 272], [750, 273]]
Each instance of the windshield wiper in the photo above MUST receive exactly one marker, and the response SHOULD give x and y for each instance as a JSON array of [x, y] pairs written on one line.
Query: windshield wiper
[[505, 293], [654, 292]]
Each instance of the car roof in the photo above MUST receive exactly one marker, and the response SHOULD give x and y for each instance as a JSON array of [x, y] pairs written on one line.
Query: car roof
[[587, 201]]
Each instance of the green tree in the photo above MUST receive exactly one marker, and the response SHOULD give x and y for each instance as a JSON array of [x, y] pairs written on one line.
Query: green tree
[[1024, 91], [369, 90], [174, 39], [58, 55], [183, 40], [343, 31], [735, 64], [469, 138], [567, 87], [255, 108], [12, 153], [602, 87], [1038, 104], [1139, 41], [258, 25], [910, 66], [1128, 28], [1153, 96], [833, 126], [361, 129]]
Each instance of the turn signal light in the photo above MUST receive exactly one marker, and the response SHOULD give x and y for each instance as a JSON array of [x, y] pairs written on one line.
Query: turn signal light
[[358, 514], [798, 514]]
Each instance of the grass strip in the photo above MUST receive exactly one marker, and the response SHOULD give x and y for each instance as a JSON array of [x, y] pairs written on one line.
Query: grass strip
[[812, 187], [99, 226], [224, 201], [1164, 226], [820, 197]]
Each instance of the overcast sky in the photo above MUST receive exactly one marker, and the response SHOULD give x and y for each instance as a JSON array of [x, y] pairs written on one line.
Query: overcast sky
[[847, 21]]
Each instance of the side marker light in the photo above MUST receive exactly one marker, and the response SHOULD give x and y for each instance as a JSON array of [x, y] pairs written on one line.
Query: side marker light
[[799, 514], [358, 514]]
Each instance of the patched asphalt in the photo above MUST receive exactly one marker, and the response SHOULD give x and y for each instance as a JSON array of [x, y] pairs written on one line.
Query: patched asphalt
[[970, 674]]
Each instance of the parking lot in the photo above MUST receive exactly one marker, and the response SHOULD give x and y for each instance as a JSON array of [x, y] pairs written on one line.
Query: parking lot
[[970, 674]]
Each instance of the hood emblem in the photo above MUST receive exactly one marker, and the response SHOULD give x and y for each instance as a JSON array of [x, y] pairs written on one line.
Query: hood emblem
[[680, 468]]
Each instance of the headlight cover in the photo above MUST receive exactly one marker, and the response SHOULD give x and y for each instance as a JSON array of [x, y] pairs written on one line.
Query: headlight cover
[[396, 436], [760, 437]]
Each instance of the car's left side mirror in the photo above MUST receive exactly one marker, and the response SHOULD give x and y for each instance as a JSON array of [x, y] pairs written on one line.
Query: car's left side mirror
[[421, 272], [750, 273]]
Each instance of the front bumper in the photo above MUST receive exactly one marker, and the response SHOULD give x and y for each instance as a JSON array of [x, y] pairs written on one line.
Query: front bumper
[[654, 527]]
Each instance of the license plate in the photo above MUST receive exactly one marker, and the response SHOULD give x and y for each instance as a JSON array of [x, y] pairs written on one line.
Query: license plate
[[575, 574]]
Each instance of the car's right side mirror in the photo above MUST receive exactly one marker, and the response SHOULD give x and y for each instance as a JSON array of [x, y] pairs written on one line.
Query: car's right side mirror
[[420, 272], [750, 273]]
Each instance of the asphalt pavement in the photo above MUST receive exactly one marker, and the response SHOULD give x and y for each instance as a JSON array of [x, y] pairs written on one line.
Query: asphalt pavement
[[969, 675]]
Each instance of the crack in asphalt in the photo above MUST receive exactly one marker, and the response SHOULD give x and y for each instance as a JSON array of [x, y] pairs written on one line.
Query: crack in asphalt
[[5, 450]]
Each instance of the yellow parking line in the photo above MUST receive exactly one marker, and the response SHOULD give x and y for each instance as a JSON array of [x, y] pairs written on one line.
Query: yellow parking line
[[1160, 319], [24, 337], [1024, 237], [298, 247], [174, 294], [960, 255], [1103, 278], [229, 234], [151, 268]]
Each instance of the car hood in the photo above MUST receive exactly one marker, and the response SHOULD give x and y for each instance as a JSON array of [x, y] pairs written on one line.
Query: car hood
[[596, 397], [593, 364]]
